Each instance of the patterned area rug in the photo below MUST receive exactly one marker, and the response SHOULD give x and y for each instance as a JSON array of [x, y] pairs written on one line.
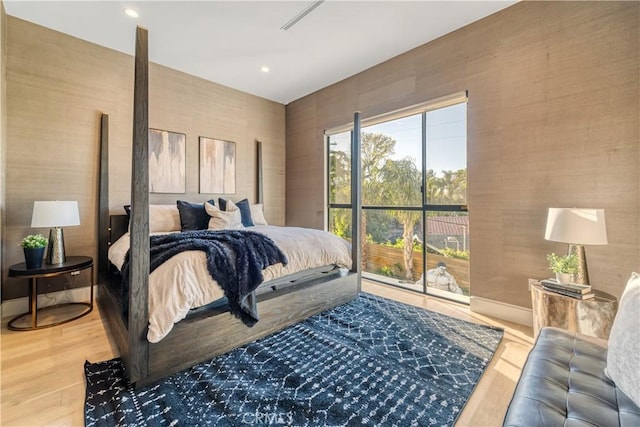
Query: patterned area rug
[[372, 361]]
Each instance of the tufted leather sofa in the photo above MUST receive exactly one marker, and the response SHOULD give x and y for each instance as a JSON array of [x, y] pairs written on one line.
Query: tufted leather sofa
[[563, 383]]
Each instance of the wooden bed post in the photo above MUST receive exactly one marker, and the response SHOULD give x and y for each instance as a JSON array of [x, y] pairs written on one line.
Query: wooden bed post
[[259, 188], [103, 196], [139, 271], [356, 202]]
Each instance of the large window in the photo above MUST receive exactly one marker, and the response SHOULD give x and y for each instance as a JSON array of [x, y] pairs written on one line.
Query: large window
[[414, 196]]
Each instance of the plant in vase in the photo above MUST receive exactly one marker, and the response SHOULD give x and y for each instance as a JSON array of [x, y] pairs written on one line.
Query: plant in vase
[[33, 246], [565, 266]]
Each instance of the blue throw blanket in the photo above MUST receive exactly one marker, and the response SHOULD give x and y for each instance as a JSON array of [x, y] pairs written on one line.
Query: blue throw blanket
[[235, 259]]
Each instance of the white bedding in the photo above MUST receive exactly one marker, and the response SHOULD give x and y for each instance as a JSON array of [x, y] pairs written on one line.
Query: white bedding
[[183, 282]]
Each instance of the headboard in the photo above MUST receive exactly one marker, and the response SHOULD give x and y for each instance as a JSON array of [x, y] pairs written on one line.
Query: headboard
[[118, 225]]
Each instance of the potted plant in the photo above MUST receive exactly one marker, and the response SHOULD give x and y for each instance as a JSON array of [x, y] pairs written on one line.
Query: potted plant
[[33, 246], [565, 266]]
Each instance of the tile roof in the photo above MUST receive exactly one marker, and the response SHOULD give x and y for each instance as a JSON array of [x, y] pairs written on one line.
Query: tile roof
[[448, 225]]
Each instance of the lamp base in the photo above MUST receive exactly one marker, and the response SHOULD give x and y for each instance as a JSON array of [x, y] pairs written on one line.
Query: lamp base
[[55, 248], [581, 276]]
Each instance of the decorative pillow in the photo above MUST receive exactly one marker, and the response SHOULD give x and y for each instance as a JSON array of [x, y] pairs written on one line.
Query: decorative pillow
[[227, 205], [245, 212], [127, 210], [257, 214], [163, 218], [623, 356], [193, 216], [221, 220], [243, 205]]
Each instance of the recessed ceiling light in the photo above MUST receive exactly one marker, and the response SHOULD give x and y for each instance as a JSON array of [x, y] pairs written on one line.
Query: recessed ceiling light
[[131, 13], [264, 69]]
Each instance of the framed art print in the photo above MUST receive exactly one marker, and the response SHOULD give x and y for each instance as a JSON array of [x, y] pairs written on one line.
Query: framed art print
[[167, 161], [217, 166]]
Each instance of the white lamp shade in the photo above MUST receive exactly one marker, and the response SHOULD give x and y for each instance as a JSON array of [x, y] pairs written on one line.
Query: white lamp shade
[[576, 226], [55, 214]]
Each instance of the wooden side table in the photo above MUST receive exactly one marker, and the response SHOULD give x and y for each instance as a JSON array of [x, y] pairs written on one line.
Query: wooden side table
[[592, 317], [29, 321]]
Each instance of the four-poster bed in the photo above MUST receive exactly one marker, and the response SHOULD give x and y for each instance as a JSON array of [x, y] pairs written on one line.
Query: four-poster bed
[[204, 333]]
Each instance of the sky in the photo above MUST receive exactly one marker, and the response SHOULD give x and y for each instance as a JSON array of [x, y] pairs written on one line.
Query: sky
[[446, 138]]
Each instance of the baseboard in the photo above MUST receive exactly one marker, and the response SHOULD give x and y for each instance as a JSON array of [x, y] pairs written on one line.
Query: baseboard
[[501, 310], [13, 307]]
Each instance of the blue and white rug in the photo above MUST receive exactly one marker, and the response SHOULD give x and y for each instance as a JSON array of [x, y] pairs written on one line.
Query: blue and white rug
[[371, 362]]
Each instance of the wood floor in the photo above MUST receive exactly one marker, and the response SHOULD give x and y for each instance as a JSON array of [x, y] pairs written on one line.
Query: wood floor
[[42, 380]]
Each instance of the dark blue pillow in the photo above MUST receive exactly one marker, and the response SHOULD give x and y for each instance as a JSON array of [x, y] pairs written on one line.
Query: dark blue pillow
[[193, 216], [245, 210], [127, 209]]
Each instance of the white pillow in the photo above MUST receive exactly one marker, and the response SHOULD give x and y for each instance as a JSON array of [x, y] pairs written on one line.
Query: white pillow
[[164, 218], [231, 207], [257, 214], [221, 220], [623, 356]]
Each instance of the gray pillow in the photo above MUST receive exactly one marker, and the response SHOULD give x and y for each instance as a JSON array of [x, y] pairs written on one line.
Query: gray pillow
[[623, 356]]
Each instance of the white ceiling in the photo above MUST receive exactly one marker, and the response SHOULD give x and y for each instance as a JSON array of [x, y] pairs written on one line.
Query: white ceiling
[[229, 41]]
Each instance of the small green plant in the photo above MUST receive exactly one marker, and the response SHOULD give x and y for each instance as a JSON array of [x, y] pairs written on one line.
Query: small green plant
[[34, 241], [385, 270], [563, 263]]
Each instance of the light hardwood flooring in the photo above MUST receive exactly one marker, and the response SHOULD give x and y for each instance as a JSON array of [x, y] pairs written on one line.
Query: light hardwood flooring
[[42, 379]]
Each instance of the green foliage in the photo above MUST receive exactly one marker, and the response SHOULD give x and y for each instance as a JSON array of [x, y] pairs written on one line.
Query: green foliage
[[455, 253], [385, 270], [450, 188], [339, 177], [391, 271], [342, 228], [376, 149], [34, 241], [401, 185], [388, 181], [378, 224], [563, 263], [399, 244]]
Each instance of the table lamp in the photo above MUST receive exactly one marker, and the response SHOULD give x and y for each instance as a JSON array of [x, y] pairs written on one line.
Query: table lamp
[[56, 215], [577, 227]]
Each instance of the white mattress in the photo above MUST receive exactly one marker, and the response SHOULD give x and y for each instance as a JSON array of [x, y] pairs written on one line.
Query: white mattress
[[183, 282]]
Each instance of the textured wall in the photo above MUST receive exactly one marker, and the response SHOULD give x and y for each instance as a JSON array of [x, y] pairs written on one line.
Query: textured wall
[[58, 85], [553, 121], [3, 132]]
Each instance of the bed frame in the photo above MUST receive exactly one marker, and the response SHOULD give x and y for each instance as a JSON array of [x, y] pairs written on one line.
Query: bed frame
[[209, 332]]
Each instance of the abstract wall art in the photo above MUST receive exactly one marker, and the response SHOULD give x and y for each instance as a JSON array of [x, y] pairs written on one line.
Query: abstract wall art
[[167, 161], [217, 166]]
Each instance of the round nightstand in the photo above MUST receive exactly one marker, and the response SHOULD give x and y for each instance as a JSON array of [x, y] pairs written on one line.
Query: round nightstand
[[29, 321]]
